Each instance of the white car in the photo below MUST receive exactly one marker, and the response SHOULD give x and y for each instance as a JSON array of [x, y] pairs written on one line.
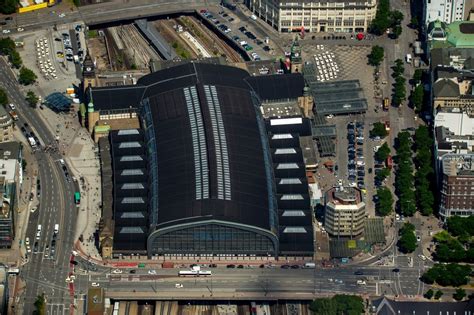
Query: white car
[[178, 285], [62, 15], [20, 29], [12, 106], [95, 284], [152, 272], [27, 241], [6, 31], [33, 209], [117, 271]]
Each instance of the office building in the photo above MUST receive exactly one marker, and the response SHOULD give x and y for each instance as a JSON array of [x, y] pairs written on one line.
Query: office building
[[6, 123], [345, 212], [457, 185], [196, 178], [446, 11], [316, 15]]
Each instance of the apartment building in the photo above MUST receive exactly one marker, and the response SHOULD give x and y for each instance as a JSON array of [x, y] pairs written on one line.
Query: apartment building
[[316, 15], [6, 125], [446, 11], [457, 185], [454, 94], [345, 212]]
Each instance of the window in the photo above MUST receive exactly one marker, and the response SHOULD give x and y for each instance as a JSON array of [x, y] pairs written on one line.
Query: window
[[133, 186], [128, 132], [286, 166], [294, 229], [282, 136], [130, 158], [292, 197], [289, 181], [128, 145], [285, 151], [130, 172], [133, 200], [293, 213]]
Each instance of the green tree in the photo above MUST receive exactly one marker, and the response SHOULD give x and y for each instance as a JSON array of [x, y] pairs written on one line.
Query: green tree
[[40, 305], [459, 226], [23, 164], [7, 45], [381, 22], [407, 241], [418, 75], [438, 294], [396, 31], [429, 294], [417, 98], [398, 68], [414, 22], [396, 17], [27, 76], [378, 130], [383, 152], [32, 99], [384, 203], [459, 294], [447, 275], [8, 6], [15, 59], [338, 304], [3, 97], [382, 174], [376, 56]]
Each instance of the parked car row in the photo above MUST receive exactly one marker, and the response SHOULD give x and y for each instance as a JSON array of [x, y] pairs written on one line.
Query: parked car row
[[355, 149]]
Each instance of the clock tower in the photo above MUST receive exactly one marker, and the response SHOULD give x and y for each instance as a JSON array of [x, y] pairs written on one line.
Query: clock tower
[[88, 72]]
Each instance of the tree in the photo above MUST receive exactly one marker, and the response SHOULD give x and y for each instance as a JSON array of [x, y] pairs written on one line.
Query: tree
[[459, 226], [384, 201], [375, 57], [32, 99], [396, 17], [3, 97], [429, 294], [23, 164], [414, 22], [417, 97], [396, 31], [380, 175], [15, 59], [407, 242], [27, 76], [447, 275], [381, 22], [338, 304], [7, 45], [398, 68], [383, 152], [40, 305], [459, 294], [438, 294], [8, 6], [378, 130], [418, 75]]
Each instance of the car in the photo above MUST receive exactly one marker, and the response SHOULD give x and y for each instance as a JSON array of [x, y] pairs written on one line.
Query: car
[[359, 273], [231, 19], [230, 266], [395, 270], [266, 48], [133, 271], [242, 29], [9, 18], [178, 285], [20, 29], [285, 266], [212, 266], [95, 284], [6, 31], [240, 266], [12, 106], [117, 271], [418, 238], [236, 38], [35, 247], [3, 23], [152, 272], [295, 267], [62, 15], [258, 42], [33, 209]]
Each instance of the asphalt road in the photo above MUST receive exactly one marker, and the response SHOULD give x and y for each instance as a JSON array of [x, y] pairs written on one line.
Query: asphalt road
[[44, 274]]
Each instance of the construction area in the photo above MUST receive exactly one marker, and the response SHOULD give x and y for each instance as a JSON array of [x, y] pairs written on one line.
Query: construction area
[[134, 46]]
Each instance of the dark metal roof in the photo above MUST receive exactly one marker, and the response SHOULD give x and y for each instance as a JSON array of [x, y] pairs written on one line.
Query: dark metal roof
[[205, 123], [117, 97], [278, 86]]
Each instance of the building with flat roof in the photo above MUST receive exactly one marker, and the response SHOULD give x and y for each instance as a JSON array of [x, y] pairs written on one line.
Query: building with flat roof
[[315, 15], [203, 181], [345, 212], [457, 182], [459, 34], [6, 123], [447, 11]]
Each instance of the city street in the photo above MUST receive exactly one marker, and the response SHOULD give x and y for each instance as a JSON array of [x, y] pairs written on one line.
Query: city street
[[45, 274]]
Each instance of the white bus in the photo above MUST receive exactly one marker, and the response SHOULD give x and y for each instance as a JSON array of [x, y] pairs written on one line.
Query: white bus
[[194, 273]]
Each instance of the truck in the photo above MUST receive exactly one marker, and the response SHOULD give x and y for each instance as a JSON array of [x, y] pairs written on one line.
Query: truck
[[386, 104], [14, 115], [195, 271], [32, 142]]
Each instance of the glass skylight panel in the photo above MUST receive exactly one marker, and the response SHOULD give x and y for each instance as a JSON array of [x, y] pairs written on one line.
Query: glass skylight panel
[[131, 158], [282, 136], [131, 144], [292, 197], [293, 213], [287, 166], [133, 186], [132, 215], [294, 229], [285, 151], [124, 132], [133, 200], [289, 181], [131, 230], [131, 172]]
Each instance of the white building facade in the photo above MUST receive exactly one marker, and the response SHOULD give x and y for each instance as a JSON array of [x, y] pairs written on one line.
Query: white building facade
[[446, 11], [316, 15]]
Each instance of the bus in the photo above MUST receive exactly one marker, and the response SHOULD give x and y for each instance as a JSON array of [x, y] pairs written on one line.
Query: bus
[[77, 197]]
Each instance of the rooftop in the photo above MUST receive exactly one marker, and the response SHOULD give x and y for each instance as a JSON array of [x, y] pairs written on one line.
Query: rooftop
[[344, 196], [10, 150], [460, 124], [458, 165]]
